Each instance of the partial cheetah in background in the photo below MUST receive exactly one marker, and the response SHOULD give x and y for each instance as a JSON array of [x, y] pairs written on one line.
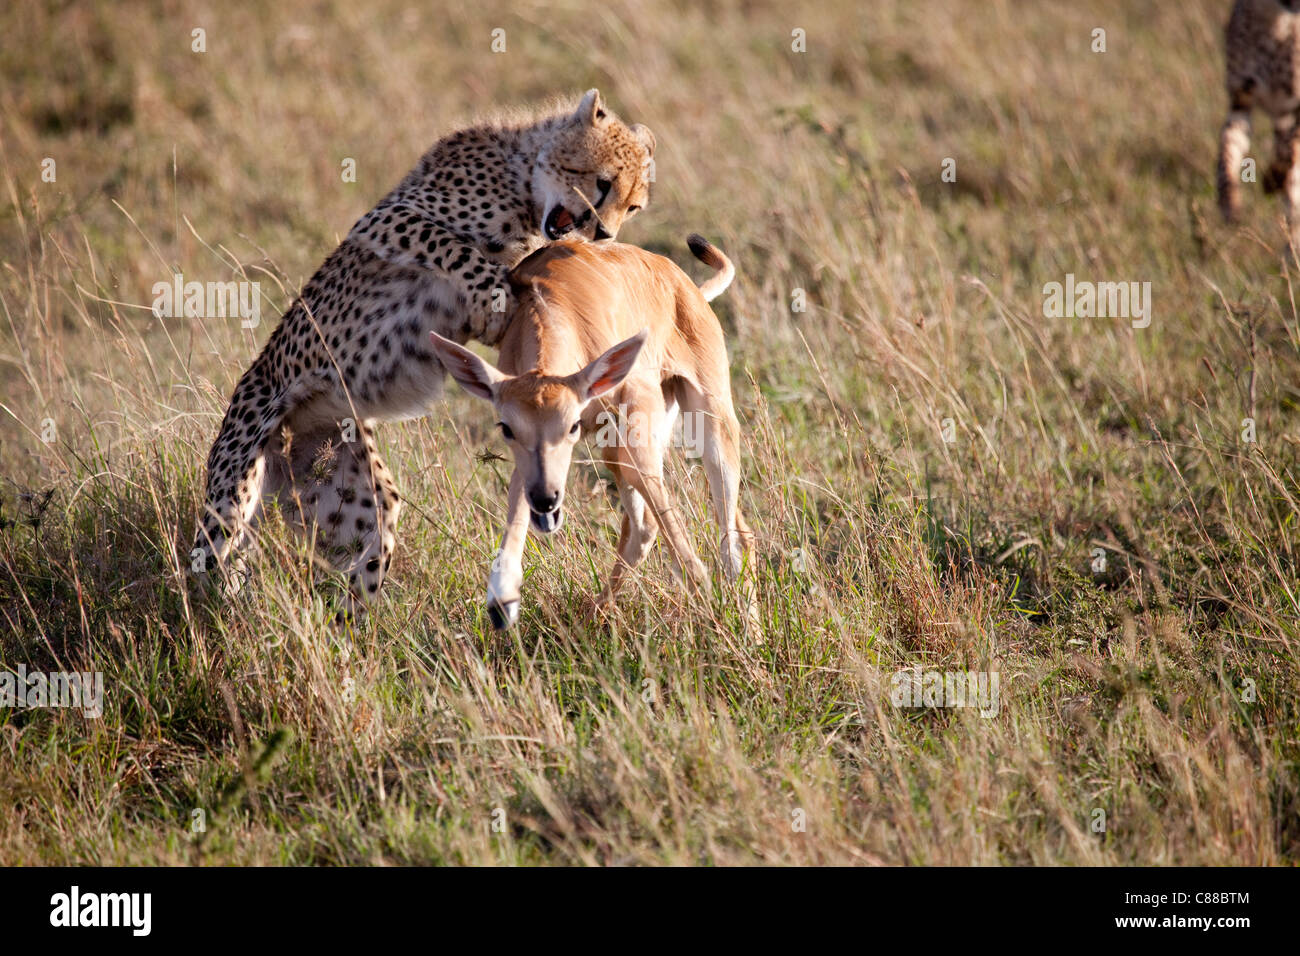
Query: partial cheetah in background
[[354, 349], [1263, 55]]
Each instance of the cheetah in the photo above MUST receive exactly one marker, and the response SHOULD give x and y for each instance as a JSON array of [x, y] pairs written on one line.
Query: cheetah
[[354, 349], [1263, 71]]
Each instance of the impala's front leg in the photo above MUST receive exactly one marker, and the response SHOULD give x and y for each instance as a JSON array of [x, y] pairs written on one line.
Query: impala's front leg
[[507, 578]]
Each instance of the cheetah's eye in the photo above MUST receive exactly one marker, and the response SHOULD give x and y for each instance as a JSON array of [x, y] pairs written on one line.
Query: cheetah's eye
[[506, 433], [633, 210], [602, 190]]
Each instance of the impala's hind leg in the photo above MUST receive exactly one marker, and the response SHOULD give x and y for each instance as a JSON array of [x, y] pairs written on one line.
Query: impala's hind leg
[[640, 457], [637, 535], [709, 427]]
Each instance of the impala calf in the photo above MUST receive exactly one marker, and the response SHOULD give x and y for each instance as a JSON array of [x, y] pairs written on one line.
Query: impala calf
[[603, 326]]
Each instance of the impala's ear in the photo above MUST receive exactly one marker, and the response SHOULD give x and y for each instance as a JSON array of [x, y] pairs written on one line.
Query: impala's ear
[[591, 110], [608, 371], [475, 375]]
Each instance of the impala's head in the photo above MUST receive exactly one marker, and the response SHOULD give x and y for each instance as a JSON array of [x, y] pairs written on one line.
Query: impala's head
[[540, 416], [593, 174]]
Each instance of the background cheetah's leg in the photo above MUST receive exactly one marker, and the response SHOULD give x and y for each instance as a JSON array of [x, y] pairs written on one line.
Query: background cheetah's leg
[[1288, 143], [1234, 142], [1284, 132]]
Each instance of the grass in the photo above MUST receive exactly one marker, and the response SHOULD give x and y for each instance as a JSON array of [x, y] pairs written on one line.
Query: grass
[[1155, 695]]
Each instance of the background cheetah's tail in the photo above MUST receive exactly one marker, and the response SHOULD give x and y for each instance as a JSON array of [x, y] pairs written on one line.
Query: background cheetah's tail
[[712, 256]]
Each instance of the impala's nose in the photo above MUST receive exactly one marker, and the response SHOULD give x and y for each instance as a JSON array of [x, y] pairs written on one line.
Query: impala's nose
[[544, 501]]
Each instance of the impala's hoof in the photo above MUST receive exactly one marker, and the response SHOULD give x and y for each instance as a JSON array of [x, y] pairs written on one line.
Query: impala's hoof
[[503, 613], [597, 609]]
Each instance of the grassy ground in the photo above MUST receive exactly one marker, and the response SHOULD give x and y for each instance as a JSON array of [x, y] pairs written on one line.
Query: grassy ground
[[1148, 707]]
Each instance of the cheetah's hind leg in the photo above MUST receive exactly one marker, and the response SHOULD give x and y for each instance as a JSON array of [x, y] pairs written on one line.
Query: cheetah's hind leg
[[342, 492]]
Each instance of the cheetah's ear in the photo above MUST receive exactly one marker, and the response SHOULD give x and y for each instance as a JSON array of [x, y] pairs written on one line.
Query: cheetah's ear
[[591, 110], [644, 137], [475, 375]]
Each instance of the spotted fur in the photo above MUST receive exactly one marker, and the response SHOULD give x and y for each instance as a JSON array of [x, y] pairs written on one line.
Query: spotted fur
[[353, 350], [1262, 41]]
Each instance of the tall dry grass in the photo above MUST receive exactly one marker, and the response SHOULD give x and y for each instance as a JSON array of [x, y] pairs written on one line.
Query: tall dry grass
[[668, 735]]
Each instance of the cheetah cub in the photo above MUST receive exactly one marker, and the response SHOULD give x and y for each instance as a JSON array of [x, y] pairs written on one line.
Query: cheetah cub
[[1263, 56], [354, 348]]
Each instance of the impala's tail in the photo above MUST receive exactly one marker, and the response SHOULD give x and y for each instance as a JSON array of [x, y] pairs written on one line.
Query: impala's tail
[[712, 256]]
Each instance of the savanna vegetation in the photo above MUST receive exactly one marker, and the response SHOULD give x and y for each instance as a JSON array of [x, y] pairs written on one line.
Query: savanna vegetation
[[940, 475]]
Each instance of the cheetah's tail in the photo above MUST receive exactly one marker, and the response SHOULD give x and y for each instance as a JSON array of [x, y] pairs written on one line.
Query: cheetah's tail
[[713, 257]]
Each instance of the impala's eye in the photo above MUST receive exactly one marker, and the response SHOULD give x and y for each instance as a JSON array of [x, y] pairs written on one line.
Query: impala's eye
[[577, 427], [602, 191], [633, 210], [506, 433]]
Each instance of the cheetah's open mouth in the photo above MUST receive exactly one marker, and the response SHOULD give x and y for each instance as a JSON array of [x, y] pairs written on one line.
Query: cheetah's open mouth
[[559, 222]]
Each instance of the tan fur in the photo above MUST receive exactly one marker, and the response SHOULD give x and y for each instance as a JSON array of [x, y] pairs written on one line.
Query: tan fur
[[592, 317]]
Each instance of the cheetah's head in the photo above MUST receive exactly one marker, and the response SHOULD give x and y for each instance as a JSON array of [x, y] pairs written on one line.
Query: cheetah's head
[[594, 174]]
